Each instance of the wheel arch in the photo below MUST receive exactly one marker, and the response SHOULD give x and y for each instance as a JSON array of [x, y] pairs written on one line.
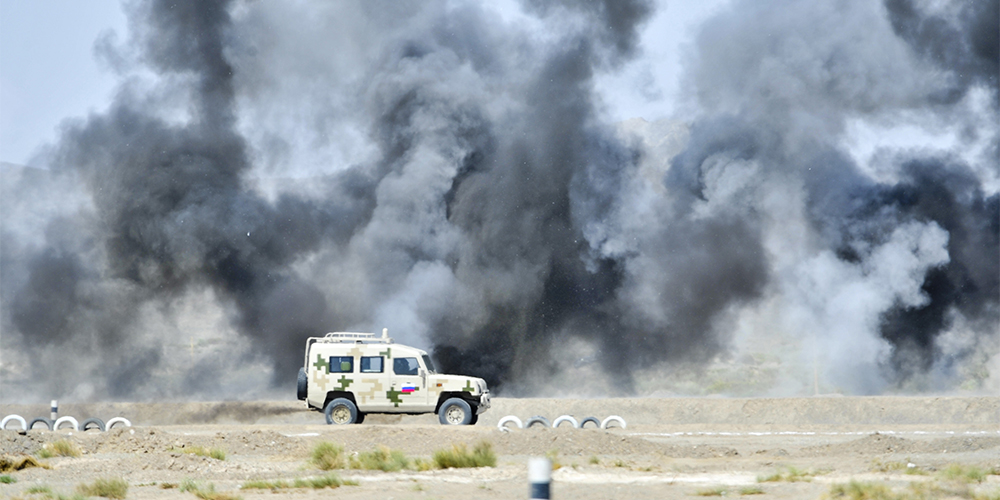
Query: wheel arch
[[445, 396], [331, 395]]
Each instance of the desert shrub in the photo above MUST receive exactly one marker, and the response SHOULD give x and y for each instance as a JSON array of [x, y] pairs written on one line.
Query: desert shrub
[[259, 484], [326, 456], [107, 488], [46, 492], [594, 460], [459, 456], [327, 481], [205, 492], [553, 456], [862, 491], [751, 490], [61, 448], [879, 466], [7, 479], [717, 491], [12, 464], [964, 473], [381, 458], [789, 474], [201, 451], [318, 483]]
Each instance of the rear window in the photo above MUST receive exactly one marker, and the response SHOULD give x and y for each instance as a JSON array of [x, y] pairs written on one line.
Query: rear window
[[371, 364], [341, 364]]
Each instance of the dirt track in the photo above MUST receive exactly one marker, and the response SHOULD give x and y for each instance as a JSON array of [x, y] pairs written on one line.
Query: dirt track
[[671, 448]]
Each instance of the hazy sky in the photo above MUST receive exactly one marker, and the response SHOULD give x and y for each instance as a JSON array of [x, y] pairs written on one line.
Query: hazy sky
[[48, 71]]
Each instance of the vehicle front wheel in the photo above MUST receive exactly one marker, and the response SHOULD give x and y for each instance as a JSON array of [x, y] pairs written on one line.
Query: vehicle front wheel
[[341, 411], [455, 411]]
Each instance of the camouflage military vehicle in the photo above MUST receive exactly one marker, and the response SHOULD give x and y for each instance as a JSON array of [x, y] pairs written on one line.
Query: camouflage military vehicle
[[348, 375]]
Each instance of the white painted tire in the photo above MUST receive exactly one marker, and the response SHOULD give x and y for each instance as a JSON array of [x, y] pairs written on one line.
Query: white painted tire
[[111, 423], [8, 418], [566, 418], [510, 418], [612, 418], [62, 420]]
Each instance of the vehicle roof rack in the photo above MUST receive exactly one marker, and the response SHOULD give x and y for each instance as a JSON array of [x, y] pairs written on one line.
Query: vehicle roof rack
[[348, 338], [354, 338]]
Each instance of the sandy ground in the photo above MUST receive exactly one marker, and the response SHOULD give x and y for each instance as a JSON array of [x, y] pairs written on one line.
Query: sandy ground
[[671, 448]]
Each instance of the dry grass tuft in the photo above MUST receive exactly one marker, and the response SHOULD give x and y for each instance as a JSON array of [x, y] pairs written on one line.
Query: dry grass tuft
[[61, 448], [201, 451], [788, 475], [326, 456], [205, 492], [381, 458], [12, 464], [316, 483], [964, 473], [107, 488], [459, 456]]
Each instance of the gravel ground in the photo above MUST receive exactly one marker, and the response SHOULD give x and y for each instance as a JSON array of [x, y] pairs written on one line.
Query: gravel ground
[[671, 448]]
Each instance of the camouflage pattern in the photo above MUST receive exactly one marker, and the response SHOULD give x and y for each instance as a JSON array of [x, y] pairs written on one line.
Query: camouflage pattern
[[384, 392]]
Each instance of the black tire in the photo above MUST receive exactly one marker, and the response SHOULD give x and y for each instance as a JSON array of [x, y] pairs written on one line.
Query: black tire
[[303, 387], [46, 421], [361, 418], [475, 418], [98, 422], [341, 411], [455, 411], [537, 420], [590, 419]]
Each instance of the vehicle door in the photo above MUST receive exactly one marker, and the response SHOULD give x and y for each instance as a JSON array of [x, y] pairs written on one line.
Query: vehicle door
[[375, 379], [409, 388]]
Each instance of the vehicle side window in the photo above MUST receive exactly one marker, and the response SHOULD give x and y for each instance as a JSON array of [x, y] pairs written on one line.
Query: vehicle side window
[[341, 364], [371, 364], [428, 363], [405, 366]]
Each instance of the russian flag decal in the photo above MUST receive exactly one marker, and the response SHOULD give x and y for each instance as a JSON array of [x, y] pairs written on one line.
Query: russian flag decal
[[407, 388]]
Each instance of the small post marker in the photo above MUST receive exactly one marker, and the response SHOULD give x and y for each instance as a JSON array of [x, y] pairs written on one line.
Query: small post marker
[[540, 477], [55, 410]]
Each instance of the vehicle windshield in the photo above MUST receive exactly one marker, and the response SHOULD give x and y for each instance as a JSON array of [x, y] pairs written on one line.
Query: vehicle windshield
[[428, 363]]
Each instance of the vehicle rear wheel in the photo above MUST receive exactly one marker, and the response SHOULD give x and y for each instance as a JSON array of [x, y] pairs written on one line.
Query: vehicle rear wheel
[[302, 389], [455, 411], [341, 411]]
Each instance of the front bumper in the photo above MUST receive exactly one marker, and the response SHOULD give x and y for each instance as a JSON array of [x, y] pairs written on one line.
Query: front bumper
[[484, 402]]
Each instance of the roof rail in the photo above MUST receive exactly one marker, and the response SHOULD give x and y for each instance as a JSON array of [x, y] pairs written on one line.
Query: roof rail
[[347, 337], [353, 338]]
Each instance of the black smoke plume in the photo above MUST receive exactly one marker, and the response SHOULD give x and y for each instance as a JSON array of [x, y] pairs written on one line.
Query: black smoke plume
[[271, 172]]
